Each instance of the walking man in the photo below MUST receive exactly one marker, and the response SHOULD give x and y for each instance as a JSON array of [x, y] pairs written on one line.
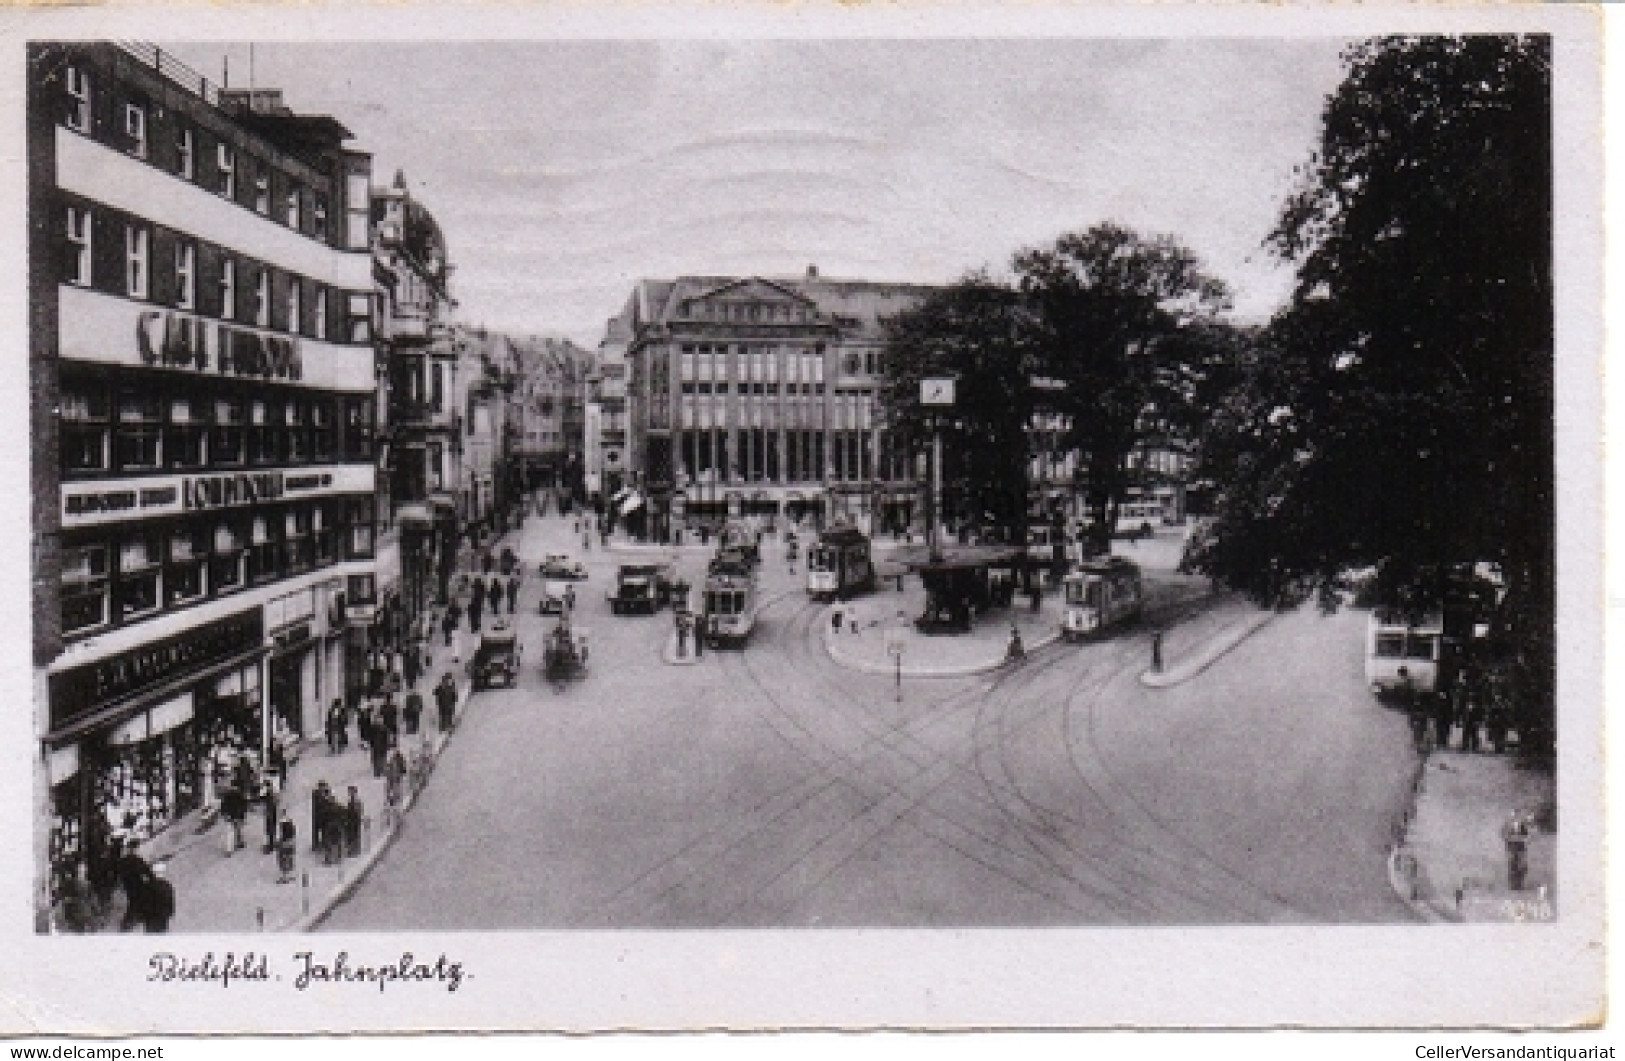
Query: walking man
[[445, 699], [413, 711], [494, 596], [513, 593]]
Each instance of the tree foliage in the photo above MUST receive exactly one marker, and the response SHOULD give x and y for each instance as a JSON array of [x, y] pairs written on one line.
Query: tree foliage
[[970, 331], [1123, 323], [1398, 414]]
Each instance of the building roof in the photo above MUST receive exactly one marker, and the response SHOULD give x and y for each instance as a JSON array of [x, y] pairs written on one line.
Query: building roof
[[857, 307]]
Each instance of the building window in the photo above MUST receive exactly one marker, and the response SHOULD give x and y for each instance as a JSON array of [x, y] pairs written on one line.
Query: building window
[[262, 190], [298, 551], [297, 418], [226, 435], [85, 435], [294, 320], [226, 163], [359, 312], [85, 596], [185, 155], [228, 290], [320, 319], [135, 261], [78, 256], [186, 577], [263, 430], [140, 433], [140, 580], [263, 551], [185, 276], [318, 217], [262, 298], [78, 115], [360, 541], [293, 208], [135, 129], [357, 443], [321, 431], [185, 437], [227, 561]]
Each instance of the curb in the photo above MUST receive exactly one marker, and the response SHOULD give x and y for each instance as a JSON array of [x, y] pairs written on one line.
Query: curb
[[346, 887], [888, 669], [1207, 655], [1399, 850]]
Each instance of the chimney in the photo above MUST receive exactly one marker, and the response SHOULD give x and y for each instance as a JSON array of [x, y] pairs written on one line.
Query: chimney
[[812, 272]]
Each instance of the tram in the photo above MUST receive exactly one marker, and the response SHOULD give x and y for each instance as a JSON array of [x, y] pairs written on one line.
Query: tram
[[1101, 594], [728, 603], [1393, 644], [840, 564], [738, 538]]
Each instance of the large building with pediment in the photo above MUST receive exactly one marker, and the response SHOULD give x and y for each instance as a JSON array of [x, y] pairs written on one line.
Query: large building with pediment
[[759, 396]]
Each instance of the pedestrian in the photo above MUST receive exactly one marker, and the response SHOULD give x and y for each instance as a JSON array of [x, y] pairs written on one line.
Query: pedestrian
[[234, 809], [476, 603], [158, 906], [380, 750], [494, 596], [338, 738], [366, 723], [1156, 652], [242, 774], [448, 625], [332, 831], [78, 911], [390, 717], [1444, 719], [513, 593], [353, 811], [409, 664], [445, 698], [133, 876], [412, 712], [394, 775], [682, 637], [321, 802], [287, 840], [486, 563], [1515, 834], [269, 804]]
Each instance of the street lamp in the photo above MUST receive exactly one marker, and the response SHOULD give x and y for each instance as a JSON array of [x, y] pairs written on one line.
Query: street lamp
[[895, 640], [936, 393]]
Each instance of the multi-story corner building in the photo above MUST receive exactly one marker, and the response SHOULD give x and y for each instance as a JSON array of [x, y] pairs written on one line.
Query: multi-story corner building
[[608, 458], [202, 385], [419, 422], [759, 396]]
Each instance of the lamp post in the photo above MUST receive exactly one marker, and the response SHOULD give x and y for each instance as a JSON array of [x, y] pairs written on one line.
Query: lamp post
[[894, 648], [936, 393]]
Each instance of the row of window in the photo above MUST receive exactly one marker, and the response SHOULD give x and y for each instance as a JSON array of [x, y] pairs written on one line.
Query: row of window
[[124, 255], [140, 572], [133, 428], [191, 153], [706, 362], [703, 387], [746, 312]]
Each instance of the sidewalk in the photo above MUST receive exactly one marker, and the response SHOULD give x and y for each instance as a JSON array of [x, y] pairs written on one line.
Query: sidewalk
[[1448, 860]]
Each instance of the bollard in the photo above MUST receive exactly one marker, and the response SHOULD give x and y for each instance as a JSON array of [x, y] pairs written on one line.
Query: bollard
[[304, 892]]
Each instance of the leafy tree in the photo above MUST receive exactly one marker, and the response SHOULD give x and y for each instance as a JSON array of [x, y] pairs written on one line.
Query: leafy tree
[[1113, 318], [1398, 414], [971, 331]]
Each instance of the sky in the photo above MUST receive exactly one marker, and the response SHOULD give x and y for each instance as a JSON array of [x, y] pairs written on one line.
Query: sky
[[562, 172]]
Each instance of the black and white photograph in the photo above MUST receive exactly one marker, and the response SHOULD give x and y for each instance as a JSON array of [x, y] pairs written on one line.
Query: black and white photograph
[[676, 509]]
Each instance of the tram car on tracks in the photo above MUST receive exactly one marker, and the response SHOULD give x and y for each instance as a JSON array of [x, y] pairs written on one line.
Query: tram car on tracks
[[728, 603], [1101, 595], [840, 564], [739, 541]]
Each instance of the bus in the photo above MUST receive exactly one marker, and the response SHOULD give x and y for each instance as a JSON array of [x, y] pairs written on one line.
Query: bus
[[1392, 643], [1100, 595], [840, 564]]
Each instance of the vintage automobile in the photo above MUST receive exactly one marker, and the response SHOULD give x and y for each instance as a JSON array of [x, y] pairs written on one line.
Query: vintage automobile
[[564, 653], [558, 596], [642, 588], [496, 660], [563, 566]]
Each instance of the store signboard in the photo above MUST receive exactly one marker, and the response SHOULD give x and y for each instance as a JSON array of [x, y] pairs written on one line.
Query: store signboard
[[78, 692], [117, 500]]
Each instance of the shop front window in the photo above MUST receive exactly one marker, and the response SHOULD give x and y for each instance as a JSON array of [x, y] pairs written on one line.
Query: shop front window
[[140, 578], [85, 588]]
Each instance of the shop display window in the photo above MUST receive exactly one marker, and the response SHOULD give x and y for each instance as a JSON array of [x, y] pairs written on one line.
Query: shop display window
[[67, 833], [226, 567], [186, 578], [85, 436], [85, 588], [139, 440], [140, 577], [185, 438], [133, 789]]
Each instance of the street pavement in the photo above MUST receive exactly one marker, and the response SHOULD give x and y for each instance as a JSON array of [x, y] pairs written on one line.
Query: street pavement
[[798, 782], [774, 787]]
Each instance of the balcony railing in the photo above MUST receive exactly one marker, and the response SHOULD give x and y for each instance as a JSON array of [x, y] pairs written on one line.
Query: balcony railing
[[171, 68]]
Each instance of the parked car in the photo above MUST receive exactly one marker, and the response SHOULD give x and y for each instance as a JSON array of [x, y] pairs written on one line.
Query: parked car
[[563, 566]]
